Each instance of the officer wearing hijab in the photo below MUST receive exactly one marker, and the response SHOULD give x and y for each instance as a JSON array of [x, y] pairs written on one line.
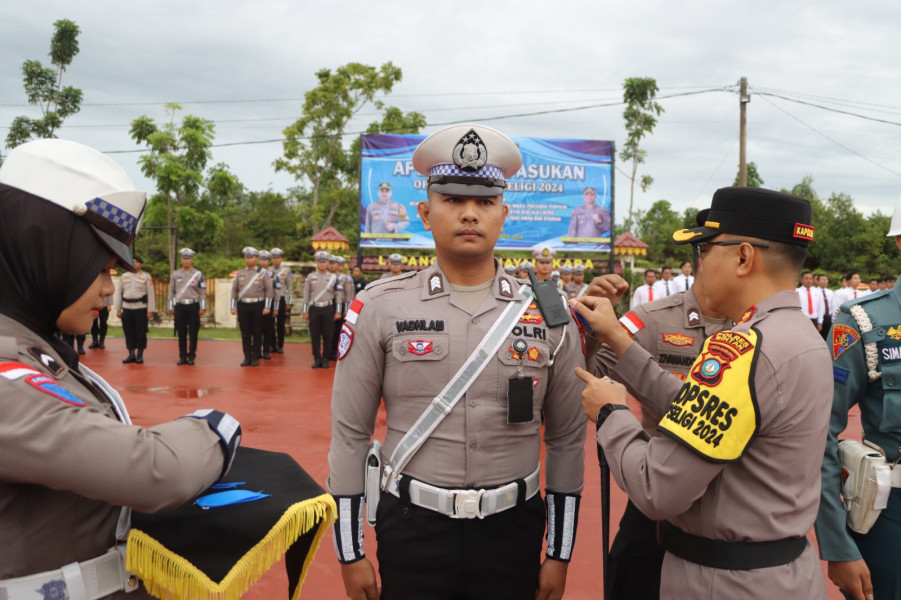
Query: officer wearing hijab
[[71, 464]]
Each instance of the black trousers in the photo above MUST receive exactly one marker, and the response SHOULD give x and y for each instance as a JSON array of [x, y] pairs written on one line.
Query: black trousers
[[70, 339], [99, 327], [336, 333], [280, 318], [424, 555], [268, 324], [187, 324], [250, 321], [827, 325], [322, 329], [636, 558], [134, 326]]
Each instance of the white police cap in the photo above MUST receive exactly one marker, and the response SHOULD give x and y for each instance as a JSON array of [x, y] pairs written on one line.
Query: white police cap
[[277, 252], [510, 269], [249, 251], [340, 260], [187, 253], [579, 269], [525, 265], [265, 255], [395, 259], [467, 160], [566, 269], [544, 254], [84, 181], [321, 256]]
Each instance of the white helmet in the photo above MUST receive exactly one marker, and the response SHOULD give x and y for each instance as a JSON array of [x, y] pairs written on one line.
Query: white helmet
[[84, 181]]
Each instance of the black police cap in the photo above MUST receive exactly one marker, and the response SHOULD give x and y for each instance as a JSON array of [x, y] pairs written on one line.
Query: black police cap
[[754, 212]]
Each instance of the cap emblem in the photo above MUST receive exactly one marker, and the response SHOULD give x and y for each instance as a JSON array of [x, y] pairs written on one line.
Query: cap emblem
[[470, 154], [803, 232]]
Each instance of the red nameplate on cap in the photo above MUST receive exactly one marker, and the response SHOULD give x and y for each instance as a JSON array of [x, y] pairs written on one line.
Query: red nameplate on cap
[[803, 232]]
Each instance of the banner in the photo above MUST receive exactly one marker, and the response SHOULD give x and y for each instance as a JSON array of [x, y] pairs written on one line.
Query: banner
[[560, 198]]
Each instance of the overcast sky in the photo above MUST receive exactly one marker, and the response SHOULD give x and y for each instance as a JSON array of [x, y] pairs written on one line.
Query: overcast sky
[[246, 66]]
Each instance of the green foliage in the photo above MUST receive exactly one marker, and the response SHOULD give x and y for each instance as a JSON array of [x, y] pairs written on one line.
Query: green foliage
[[43, 88], [754, 178], [655, 227], [640, 118], [313, 150]]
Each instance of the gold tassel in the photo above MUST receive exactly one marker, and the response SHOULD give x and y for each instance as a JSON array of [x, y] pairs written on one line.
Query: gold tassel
[[168, 575]]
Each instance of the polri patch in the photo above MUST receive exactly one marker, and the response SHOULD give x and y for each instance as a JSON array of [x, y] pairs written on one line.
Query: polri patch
[[48, 385], [678, 339], [345, 340], [721, 349], [843, 339], [419, 347]]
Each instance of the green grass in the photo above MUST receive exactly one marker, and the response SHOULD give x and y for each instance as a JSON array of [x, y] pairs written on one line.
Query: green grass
[[206, 333]]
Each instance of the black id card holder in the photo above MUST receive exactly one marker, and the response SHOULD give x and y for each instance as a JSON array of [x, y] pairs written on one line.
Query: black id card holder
[[519, 401]]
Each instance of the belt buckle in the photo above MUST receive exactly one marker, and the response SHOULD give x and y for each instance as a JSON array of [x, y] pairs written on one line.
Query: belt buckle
[[468, 504]]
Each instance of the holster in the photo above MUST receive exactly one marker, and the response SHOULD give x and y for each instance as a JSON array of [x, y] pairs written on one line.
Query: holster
[[866, 482], [372, 479]]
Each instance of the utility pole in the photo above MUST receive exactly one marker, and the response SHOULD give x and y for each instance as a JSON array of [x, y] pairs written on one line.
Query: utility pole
[[743, 99]]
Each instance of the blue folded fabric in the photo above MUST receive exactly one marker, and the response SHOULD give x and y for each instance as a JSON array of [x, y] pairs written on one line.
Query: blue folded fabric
[[226, 485], [229, 497]]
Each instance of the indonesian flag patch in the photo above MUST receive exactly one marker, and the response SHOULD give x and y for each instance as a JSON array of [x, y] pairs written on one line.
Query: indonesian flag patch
[[345, 340], [353, 312], [631, 323]]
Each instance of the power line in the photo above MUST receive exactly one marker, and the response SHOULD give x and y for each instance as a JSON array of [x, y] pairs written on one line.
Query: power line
[[835, 110]]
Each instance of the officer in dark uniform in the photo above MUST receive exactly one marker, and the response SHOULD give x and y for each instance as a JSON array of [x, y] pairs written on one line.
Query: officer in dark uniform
[[187, 301], [865, 341], [251, 300]]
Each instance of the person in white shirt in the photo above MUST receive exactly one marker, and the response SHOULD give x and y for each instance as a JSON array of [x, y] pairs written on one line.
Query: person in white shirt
[[828, 303], [811, 300], [665, 286], [848, 293], [645, 293], [684, 280]]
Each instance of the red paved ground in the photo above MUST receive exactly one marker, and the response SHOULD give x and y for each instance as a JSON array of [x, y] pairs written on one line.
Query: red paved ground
[[283, 405]]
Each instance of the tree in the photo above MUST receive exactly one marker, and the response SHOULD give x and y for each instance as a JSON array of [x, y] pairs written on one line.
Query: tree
[[44, 88], [641, 117], [178, 155], [655, 228], [313, 148], [754, 178]]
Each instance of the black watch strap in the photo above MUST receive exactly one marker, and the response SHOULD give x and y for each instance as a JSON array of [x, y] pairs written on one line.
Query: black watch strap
[[605, 411]]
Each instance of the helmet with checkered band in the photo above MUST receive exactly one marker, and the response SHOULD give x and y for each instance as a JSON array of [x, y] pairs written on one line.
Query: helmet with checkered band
[[84, 181]]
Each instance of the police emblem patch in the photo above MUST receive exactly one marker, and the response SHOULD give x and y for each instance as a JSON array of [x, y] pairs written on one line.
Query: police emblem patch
[[530, 318], [54, 590], [470, 154], [48, 385], [345, 340], [419, 347], [678, 339], [722, 348], [843, 338]]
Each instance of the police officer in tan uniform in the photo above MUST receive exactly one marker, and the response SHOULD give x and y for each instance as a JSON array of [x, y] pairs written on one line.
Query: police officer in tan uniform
[[673, 331], [577, 287], [135, 303], [69, 458], [463, 517], [321, 307], [395, 266], [347, 287], [268, 320], [544, 262], [284, 296], [252, 296], [734, 477], [187, 301]]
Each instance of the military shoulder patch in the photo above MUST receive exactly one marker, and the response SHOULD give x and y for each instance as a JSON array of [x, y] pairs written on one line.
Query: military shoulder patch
[[843, 338], [345, 340], [13, 371], [840, 375], [716, 413]]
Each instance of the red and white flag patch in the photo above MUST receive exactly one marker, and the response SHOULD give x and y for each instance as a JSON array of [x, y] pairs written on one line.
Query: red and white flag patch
[[354, 311], [631, 322], [16, 370]]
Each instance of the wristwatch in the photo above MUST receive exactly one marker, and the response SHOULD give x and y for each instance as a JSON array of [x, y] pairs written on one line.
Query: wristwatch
[[605, 411]]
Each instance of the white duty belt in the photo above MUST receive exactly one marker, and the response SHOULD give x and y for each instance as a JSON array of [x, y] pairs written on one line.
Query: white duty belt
[[87, 580], [444, 402], [470, 504]]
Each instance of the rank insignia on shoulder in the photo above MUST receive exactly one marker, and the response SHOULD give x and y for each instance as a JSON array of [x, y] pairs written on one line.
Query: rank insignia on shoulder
[[840, 375], [894, 332], [747, 316], [506, 289], [345, 340], [843, 338], [436, 284], [419, 347], [354, 311], [45, 359], [694, 317], [678, 339], [632, 323]]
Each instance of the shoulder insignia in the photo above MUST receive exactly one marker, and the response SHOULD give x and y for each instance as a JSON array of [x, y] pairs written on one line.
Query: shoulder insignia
[[16, 370], [45, 359], [506, 289], [436, 284], [840, 375], [354, 311], [44, 383], [694, 317], [678, 339], [894, 332], [632, 323], [843, 338], [715, 413], [345, 340], [747, 316]]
